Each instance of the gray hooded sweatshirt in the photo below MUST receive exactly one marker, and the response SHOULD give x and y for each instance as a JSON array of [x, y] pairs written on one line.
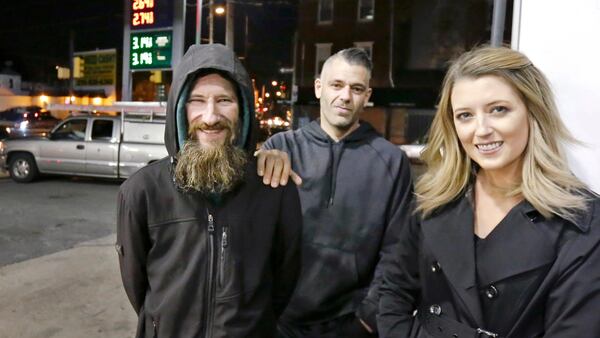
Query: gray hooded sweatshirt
[[355, 197], [195, 268]]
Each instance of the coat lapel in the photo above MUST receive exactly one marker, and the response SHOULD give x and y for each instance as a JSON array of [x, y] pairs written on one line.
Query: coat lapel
[[522, 241], [449, 236]]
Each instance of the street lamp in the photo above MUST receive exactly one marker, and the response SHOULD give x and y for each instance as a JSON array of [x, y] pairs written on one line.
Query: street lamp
[[220, 10]]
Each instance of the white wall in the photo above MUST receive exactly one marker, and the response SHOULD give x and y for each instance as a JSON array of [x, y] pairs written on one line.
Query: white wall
[[562, 38], [7, 102], [11, 82]]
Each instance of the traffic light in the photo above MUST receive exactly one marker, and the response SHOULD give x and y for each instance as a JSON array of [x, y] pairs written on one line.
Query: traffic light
[[78, 67]]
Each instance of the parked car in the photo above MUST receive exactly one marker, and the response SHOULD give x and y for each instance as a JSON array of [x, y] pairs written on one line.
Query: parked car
[[92, 145], [4, 133], [25, 121], [413, 151]]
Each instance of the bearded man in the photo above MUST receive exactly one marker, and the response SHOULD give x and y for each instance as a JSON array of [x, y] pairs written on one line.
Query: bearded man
[[205, 249]]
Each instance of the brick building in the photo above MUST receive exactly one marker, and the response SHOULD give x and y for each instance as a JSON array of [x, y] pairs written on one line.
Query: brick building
[[410, 42]]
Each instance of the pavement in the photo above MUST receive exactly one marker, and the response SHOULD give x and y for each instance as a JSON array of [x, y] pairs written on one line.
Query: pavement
[[73, 293]]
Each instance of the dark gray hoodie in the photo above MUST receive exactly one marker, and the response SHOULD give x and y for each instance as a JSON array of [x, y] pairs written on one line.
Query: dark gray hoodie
[[355, 199], [193, 268]]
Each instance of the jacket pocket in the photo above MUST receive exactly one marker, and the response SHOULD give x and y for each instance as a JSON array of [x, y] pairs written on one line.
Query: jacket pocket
[[223, 263], [229, 270], [331, 274]]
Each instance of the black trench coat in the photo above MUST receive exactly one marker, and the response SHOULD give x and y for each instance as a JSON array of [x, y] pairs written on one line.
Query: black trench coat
[[539, 278]]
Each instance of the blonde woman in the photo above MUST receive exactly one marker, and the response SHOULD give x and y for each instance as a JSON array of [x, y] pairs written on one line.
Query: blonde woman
[[505, 239]]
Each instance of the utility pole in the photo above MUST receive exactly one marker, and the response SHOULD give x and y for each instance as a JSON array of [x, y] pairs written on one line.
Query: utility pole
[[211, 22], [199, 4], [126, 81], [498, 23], [229, 25], [246, 36], [71, 63]]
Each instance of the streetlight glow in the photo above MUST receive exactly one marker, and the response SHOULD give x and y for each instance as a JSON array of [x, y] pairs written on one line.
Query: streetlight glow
[[274, 83], [220, 10]]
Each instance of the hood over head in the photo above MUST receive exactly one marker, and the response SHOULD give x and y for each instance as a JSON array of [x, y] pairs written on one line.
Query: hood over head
[[204, 59]]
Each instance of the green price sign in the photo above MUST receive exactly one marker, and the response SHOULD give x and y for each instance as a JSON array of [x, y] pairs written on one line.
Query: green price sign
[[151, 49]]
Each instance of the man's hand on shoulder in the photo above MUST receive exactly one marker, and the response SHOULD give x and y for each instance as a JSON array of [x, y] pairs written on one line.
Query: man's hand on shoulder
[[275, 167]]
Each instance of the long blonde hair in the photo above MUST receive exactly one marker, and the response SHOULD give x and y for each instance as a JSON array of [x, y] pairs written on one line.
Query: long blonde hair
[[546, 183]]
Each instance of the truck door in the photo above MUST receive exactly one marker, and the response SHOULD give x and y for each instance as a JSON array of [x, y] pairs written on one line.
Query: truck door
[[65, 152], [101, 150]]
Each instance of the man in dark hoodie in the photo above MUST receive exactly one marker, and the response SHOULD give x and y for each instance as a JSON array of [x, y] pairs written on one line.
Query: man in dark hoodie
[[355, 195], [205, 249]]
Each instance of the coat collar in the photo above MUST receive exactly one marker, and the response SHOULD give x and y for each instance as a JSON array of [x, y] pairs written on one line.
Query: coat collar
[[583, 220], [523, 241]]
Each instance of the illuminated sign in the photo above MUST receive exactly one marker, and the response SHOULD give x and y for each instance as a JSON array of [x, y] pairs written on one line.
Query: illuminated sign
[[147, 14], [96, 68], [151, 49]]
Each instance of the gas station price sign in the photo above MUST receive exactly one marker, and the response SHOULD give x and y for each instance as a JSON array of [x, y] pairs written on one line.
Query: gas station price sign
[[147, 14], [151, 49]]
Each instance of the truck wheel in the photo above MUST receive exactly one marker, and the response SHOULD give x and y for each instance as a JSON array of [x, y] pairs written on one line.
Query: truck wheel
[[22, 168]]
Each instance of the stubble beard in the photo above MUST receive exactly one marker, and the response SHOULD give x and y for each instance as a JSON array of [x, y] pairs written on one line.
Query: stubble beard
[[341, 124], [213, 169]]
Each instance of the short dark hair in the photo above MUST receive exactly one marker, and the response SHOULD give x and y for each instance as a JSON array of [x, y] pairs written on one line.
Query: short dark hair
[[354, 56]]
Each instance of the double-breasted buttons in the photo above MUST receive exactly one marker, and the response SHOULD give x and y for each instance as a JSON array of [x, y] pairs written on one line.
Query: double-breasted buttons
[[436, 267], [491, 292], [435, 309]]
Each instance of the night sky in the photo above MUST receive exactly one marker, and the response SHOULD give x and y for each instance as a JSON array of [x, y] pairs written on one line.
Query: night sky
[[34, 34]]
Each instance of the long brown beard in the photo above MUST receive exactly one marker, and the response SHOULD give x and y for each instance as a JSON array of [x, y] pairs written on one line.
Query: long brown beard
[[209, 170]]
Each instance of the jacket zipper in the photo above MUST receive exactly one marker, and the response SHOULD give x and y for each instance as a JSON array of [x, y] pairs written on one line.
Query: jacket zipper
[[210, 281], [155, 328], [224, 244]]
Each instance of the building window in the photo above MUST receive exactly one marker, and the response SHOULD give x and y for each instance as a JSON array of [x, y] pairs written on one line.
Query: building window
[[323, 51], [366, 10], [10, 83], [325, 11], [367, 46]]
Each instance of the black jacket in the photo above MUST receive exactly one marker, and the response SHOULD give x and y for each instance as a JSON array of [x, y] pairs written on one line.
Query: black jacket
[[536, 277], [193, 268], [355, 197]]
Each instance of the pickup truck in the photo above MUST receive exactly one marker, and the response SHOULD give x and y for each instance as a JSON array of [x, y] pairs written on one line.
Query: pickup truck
[[86, 145]]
